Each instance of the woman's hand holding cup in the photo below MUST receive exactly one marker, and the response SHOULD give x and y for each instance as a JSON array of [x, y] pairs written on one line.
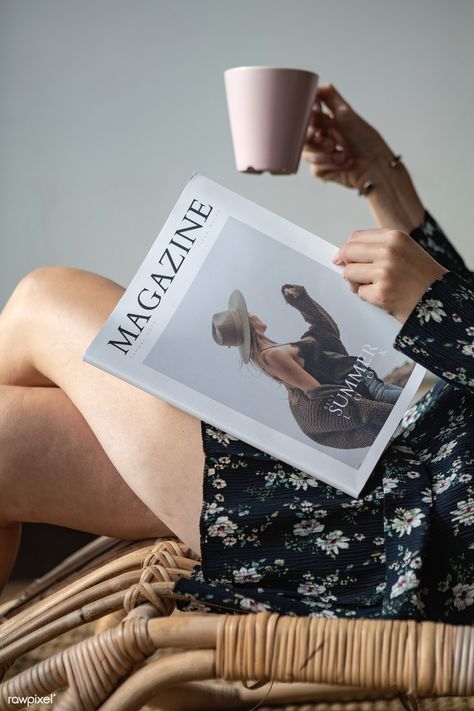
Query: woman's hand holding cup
[[340, 146]]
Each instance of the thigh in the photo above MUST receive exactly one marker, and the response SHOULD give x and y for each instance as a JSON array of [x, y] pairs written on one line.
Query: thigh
[[155, 447], [53, 469]]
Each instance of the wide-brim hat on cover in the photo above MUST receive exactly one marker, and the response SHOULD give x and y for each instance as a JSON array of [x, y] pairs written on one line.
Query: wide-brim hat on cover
[[232, 327]]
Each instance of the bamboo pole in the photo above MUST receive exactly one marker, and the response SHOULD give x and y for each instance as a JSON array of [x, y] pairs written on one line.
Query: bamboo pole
[[148, 680], [88, 613], [127, 562], [76, 601], [201, 696], [94, 550]]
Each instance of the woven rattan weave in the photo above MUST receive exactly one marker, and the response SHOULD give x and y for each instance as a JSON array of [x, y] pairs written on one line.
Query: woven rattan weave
[[335, 663]]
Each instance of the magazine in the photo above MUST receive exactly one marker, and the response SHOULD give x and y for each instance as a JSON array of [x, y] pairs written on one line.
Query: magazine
[[240, 318]]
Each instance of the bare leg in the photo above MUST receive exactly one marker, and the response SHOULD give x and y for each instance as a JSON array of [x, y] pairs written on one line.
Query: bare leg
[[51, 318], [53, 470]]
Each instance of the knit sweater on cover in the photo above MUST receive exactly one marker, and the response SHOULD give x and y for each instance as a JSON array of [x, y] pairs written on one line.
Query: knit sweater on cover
[[364, 416]]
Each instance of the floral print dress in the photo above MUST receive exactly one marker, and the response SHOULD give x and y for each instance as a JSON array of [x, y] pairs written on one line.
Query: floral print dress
[[276, 539]]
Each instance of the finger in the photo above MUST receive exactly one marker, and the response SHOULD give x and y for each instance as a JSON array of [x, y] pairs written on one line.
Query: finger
[[329, 95], [367, 293], [359, 273], [335, 160], [323, 172], [320, 120], [318, 141], [321, 125], [365, 252], [338, 137]]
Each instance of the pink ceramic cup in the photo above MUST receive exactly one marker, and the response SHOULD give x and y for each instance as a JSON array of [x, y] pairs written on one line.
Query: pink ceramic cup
[[269, 110]]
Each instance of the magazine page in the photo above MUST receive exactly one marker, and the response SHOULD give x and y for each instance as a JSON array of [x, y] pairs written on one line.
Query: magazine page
[[240, 318]]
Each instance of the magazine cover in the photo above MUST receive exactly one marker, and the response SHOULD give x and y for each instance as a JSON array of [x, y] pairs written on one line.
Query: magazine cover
[[240, 318]]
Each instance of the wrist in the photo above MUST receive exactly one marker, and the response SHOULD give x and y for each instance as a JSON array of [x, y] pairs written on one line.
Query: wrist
[[392, 197], [379, 171], [423, 286], [378, 165]]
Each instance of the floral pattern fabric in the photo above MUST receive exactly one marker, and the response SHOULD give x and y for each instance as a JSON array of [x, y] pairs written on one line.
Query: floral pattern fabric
[[274, 538]]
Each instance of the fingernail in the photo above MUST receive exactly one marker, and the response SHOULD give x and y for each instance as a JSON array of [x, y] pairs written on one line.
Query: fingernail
[[337, 259]]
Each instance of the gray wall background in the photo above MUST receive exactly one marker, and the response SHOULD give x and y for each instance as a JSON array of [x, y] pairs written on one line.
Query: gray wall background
[[107, 107]]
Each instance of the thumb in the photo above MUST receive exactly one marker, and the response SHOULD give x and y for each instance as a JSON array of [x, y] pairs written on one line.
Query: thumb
[[331, 97]]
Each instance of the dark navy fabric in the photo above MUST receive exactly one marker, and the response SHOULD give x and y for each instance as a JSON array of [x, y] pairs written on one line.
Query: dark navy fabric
[[274, 538]]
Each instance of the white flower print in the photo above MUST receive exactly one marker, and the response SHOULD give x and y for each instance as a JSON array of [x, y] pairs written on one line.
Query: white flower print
[[213, 508], [333, 542], [229, 541], [326, 613], [311, 588], [197, 606], [448, 375], [465, 512], [272, 477], [430, 309], [222, 527], [389, 484], [247, 603], [470, 330], [407, 520], [407, 581], [219, 483], [219, 435], [463, 596], [444, 451], [468, 349], [300, 480], [443, 484], [425, 455], [427, 496], [246, 575], [307, 527], [428, 229]]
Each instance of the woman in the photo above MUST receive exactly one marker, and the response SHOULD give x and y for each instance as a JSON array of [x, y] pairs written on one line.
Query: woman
[[313, 369], [269, 536]]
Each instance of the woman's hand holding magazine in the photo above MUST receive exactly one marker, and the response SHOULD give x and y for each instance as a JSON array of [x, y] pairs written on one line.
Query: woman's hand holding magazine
[[388, 269]]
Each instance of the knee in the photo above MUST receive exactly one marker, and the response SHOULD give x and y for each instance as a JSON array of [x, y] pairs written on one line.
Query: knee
[[40, 282], [40, 288]]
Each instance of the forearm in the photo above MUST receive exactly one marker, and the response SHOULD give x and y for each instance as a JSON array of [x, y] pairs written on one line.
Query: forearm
[[393, 200]]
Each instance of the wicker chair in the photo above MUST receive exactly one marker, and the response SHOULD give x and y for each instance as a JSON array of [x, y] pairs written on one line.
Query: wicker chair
[[282, 661]]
